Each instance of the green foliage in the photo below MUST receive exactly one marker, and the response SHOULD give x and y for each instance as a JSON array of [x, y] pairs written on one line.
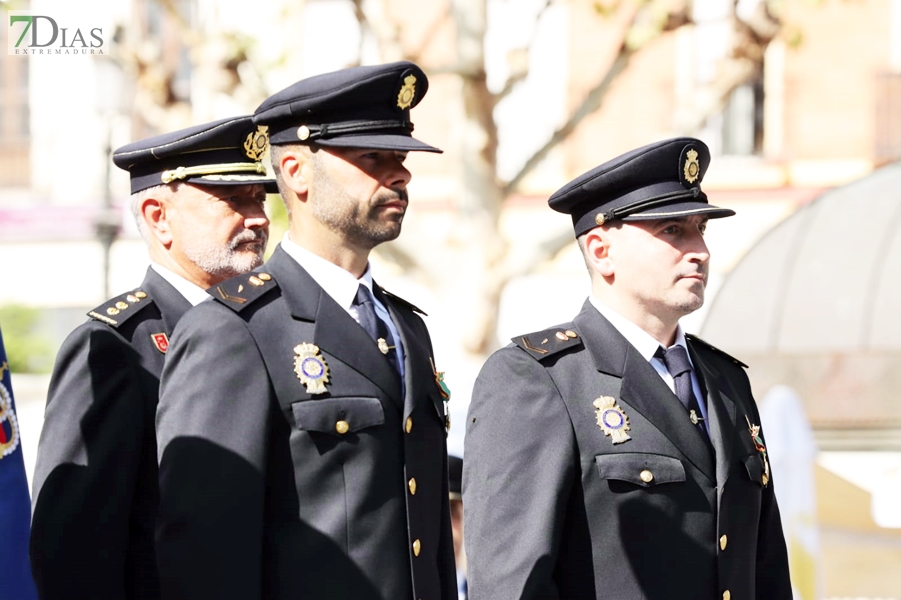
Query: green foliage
[[26, 349]]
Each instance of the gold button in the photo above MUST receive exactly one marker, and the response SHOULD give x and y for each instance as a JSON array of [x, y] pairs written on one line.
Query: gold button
[[412, 485], [646, 476], [342, 427], [408, 426], [303, 132], [141, 295], [265, 276], [254, 280], [723, 542], [571, 334], [561, 336], [132, 298], [416, 547], [727, 595], [121, 305], [599, 218]]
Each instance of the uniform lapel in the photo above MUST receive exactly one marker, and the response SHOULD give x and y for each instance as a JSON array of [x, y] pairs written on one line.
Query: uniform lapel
[[721, 412], [642, 388], [415, 361], [336, 332]]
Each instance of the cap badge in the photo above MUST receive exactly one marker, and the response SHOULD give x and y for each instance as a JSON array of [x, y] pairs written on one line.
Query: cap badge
[[612, 420], [407, 92], [692, 167], [257, 142], [310, 367]]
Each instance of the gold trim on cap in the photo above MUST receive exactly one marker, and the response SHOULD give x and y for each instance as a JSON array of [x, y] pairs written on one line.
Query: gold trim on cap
[[303, 133], [600, 218], [171, 175]]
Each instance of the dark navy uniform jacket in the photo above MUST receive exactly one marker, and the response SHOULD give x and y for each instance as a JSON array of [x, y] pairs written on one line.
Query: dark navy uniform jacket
[[270, 491], [554, 509], [95, 482]]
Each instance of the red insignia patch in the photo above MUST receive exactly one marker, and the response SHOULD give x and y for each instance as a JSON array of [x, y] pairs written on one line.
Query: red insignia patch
[[161, 340]]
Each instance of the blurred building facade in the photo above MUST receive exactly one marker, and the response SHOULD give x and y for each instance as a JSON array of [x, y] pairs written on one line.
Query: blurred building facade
[[824, 111]]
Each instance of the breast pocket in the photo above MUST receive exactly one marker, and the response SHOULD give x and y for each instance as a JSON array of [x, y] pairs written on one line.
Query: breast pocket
[[645, 470], [753, 464], [338, 416]]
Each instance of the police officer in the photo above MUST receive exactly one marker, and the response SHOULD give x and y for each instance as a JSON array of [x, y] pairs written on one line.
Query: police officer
[[198, 196], [311, 461], [616, 456]]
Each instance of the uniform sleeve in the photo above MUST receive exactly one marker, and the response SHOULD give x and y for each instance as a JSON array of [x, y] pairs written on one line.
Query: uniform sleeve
[[87, 462], [211, 434], [517, 477]]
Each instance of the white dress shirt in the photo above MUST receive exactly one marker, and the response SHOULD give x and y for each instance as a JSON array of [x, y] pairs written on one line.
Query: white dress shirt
[[647, 346], [342, 287], [192, 292]]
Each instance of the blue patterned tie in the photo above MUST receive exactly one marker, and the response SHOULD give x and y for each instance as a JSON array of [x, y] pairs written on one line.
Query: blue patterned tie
[[676, 360], [374, 326]]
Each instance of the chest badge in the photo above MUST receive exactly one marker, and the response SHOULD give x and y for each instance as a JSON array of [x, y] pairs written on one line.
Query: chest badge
[[758, 445], [311, 368], [612, 420], [161, 341]]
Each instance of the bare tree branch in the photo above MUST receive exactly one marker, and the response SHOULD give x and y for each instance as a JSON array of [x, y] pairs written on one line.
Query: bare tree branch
[[590, 104], [430, 33], [517, 264]]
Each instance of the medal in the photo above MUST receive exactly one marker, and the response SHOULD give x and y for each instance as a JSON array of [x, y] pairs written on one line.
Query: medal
[[612, 420], [439, 379], [758, 445], [310, 368]]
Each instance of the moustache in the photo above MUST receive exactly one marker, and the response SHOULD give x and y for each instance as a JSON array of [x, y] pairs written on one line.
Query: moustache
[[249, 235], [390, 196]]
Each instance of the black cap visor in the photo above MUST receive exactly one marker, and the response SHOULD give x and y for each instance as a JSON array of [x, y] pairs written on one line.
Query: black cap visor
[[379, 141], [234, 180], [681, 209]]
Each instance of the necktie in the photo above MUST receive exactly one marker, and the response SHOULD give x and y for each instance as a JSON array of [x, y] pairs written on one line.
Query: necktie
[[374, 326], [676, 360]]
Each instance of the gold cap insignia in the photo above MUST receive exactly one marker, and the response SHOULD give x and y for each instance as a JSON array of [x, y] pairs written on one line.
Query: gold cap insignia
[[612, 420], [257, 142], [311, 368], [407, 92], [692, 167]]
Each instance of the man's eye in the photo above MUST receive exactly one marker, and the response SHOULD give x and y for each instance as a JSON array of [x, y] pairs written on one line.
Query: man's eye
[[702, 228]]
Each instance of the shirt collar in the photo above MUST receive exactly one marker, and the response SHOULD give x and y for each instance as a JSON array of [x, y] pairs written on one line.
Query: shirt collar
[[192, 292], [643, 341], [337, 282]]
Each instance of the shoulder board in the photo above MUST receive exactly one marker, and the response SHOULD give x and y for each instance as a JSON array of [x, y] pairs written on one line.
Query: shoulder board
[[698, 340], [240, 292], [403, 302], [549, 342], [116, 311]]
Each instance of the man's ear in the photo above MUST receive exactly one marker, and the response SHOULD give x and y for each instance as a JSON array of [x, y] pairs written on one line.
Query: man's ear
[[295, 172], [155, 216], [597, 251]]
